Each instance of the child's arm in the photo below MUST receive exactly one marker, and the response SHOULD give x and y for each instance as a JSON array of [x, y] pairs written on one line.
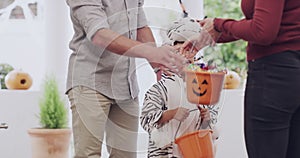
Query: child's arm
[[179, 114], [155, 112], [153, 106], [205, 118], [212, 111]]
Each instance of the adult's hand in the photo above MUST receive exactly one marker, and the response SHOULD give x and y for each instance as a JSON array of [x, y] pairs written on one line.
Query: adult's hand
[[208, 25], [166, 58], [196, 43], [163, 56], [207, 36]]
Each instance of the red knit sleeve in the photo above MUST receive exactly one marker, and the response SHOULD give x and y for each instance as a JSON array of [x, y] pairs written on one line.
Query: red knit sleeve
[[261, 29], [225, 37]]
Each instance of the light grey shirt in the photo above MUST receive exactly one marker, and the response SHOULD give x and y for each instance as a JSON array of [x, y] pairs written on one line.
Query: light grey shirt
[[94, 67]]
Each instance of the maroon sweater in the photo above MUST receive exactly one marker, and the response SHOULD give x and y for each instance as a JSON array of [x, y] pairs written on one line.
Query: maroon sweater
[[270, 26]]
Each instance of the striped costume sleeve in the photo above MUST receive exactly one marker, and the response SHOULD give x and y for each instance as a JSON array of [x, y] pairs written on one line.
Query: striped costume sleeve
[[214, 114], [153, 106], [214, 111]]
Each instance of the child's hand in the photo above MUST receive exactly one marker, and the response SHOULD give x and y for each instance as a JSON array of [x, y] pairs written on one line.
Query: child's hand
[[181, 114], [205, 114]]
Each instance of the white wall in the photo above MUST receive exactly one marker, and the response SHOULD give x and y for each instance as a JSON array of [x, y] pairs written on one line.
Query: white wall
[[38, 45], [22, 46], [18, 109], [58, 33]]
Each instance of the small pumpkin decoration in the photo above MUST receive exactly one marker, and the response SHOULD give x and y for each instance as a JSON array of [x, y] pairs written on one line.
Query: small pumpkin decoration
[[204, 87], [232, 80], [18, 79]]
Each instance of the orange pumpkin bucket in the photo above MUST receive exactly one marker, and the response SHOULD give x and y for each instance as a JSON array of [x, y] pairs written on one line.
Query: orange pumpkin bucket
[[204, 87], [196, 145]]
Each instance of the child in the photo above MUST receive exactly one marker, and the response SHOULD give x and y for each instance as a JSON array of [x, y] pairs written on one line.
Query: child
[[166, 113]]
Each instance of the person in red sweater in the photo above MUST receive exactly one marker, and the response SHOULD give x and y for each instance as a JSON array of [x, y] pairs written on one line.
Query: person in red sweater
[[272, 98]]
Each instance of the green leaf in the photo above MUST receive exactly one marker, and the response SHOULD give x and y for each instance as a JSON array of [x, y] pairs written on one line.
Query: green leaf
[[53, 113], [4, 70]]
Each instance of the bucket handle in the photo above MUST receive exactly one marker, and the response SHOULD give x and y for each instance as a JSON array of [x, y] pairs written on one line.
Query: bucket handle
[[201, 135], [180, 123]]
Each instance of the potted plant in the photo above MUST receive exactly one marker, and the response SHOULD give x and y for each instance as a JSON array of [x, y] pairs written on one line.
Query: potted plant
[[53, 138]]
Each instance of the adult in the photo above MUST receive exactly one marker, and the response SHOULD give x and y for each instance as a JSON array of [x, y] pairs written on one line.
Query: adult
[[101, 84], [272, 102]]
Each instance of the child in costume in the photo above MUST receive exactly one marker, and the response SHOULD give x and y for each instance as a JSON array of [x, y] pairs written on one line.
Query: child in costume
[[166, 113]]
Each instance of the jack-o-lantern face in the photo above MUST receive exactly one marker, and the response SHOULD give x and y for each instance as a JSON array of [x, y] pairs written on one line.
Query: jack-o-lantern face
[[204, 87], [199, 89]]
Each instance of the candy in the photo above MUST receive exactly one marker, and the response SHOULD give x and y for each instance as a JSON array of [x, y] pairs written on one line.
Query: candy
[[202, 67]]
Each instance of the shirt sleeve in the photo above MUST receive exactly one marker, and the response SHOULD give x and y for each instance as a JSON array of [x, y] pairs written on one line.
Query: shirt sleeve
[[225, 37], [262, 28], [152, 110], [142, 21], [90, 14]]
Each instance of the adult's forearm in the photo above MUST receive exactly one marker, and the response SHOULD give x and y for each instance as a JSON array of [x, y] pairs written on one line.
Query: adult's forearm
[[262, 28], [225, 38], [145, 35], [121, 45], [116, 43]]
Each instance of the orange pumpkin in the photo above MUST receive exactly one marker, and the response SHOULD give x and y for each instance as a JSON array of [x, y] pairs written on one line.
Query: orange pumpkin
[[232, 80], [204, 87], [18, 79]]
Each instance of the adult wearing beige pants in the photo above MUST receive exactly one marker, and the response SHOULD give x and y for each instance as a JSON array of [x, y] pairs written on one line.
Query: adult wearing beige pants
[[101, 84], [94, 113]]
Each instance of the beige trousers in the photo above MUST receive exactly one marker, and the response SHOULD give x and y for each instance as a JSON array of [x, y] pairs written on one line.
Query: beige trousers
[[94, 115]]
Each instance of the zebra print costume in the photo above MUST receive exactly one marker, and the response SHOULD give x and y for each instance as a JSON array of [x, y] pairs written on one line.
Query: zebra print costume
[[169, 93]]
